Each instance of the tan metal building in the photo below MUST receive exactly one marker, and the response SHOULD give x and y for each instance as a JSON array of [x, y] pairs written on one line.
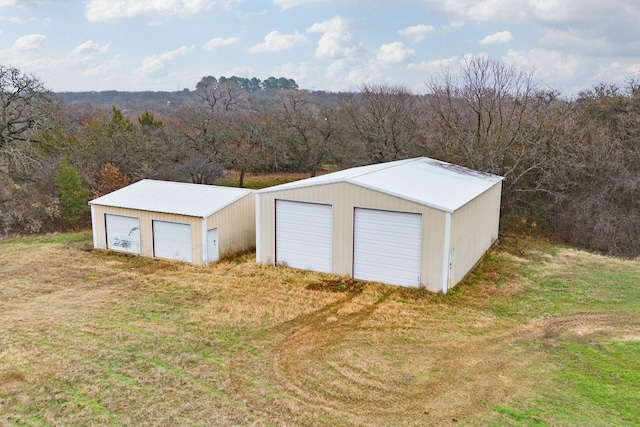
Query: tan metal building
[[418, 222], [173, 220]]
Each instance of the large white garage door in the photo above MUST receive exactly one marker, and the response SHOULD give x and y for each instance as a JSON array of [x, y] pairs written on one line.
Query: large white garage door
[[172, 240], [387, 246], [123, 233], [304, 235]]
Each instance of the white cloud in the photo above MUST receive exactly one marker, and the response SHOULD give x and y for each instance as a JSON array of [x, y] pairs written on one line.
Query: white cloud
[[585, 27], [453, 25], [156, 65], [303, 73], [241, 71], [581, 12], [105, 10], [497, 38], [394, 53], [89, 48], [336, 42], [286, 4], [365, 73], [549, 64], [32, 42], [107, 70], [435, 65], [417, 32], [275, 42], [483, 10], [219, 42], [572, 72], [12, 19], [8, 3], [81, 62], [555, 69]]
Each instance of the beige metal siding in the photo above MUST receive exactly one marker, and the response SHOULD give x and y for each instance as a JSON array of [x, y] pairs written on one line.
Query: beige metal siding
[[146, 231], [236, 225], [345, 198], [474, 228]]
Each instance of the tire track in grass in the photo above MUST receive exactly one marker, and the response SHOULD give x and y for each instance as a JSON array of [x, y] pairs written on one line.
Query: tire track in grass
[[290, 389], [346, 364]]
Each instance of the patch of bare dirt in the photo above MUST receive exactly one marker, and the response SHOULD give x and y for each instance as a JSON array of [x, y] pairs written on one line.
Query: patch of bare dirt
[[610, 325], [347, 285]]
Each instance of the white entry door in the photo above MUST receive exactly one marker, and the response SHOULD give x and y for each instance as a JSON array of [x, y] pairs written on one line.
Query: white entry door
[[304, 235], [172, 240], [387, 246], [123, 233], [212, 245]]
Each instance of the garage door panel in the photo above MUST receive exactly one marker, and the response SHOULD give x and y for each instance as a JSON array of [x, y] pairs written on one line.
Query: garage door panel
[[387, 246], [123, 233], [304, 235], [172, 240]]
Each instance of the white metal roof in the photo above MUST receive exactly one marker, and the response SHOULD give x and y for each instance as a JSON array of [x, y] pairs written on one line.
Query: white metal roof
[[426, 181], [172, 197]]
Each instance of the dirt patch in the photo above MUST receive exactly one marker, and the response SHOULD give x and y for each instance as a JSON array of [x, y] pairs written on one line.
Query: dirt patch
[[12, 381], [606, 325], [11, 376], [347, 285]]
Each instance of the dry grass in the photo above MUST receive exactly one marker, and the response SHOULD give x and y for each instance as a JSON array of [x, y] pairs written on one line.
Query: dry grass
[[96, 338]]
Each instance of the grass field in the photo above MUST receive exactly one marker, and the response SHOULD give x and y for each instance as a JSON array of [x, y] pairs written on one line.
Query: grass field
[[548, 337]]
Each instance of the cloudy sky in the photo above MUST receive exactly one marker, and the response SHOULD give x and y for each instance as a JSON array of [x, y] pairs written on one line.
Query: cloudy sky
[[333, 45]]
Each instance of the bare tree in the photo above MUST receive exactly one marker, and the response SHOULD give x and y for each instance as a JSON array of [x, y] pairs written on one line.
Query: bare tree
[[26, 113], [201, 132], [600, 173], [311, 130], [382, 118], [199, 170], [219, 95], [247, 135], [493, 119]]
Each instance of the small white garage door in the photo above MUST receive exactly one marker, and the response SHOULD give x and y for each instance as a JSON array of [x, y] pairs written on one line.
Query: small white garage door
[[123, 233], [172, 240], [387, 246], [304, 235]]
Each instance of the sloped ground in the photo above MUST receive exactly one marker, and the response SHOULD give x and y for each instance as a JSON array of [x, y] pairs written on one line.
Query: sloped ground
[[95, 338]]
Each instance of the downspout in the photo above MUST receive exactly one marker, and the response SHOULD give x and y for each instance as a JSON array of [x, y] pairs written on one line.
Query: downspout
[[258, 243], [446, 253]]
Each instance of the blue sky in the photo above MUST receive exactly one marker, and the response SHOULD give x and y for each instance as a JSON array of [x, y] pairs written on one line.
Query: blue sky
[[332, 45]]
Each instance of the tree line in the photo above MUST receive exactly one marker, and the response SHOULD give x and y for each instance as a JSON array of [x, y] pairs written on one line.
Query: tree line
[[250, 85], [571, 167]]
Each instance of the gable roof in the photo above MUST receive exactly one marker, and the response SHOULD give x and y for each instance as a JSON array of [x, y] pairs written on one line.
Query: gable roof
[[172, 197], [426, 181]]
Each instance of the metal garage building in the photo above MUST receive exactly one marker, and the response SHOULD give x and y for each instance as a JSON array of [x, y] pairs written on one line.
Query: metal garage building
[[415, 222], [173, 220]]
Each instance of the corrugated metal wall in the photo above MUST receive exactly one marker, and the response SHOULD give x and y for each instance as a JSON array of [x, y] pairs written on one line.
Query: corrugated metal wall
[[345, 198], [236, 225], [146, 231], [474, 228]]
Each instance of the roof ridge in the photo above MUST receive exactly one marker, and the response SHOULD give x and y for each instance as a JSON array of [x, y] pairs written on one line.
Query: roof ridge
[[394, 164], [194, 184]]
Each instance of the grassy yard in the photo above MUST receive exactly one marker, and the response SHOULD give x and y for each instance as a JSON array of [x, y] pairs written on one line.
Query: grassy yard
[[548, 337]]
